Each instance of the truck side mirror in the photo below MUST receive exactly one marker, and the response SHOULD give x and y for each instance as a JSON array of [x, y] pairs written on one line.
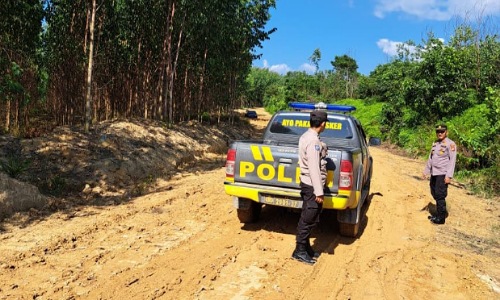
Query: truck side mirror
[[374, 141]]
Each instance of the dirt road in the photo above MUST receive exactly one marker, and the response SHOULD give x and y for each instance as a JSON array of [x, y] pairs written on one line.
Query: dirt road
[[184, 241]]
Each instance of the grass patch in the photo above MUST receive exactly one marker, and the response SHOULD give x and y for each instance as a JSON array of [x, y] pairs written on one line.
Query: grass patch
[[14, 166]]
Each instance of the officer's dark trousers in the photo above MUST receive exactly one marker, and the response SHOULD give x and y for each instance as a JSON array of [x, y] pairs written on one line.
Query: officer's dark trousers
[[439, 191], [310, 214]]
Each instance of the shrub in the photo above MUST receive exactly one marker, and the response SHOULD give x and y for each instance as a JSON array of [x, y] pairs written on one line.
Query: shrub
[[14, 166], [483, 182], [368, 112], [471, 131]]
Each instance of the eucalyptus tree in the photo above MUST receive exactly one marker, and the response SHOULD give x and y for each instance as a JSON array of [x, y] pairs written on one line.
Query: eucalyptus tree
[[90, 59], [64, 39], [19, 41], [137, 53], [152, 58], [219, 45]]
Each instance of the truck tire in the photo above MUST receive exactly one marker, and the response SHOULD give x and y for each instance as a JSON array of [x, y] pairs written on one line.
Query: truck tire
[[251, 214], [349, 230], [368, 183], [367, 191]]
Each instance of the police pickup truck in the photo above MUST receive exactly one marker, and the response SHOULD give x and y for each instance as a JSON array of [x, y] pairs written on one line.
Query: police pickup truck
[[266, 172]]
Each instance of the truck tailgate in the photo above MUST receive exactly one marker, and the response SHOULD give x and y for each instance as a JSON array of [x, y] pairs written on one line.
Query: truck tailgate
[[277, 166]]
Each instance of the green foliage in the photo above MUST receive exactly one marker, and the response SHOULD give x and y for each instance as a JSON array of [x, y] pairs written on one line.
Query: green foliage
[[14, 166], [153, 58], [492, 101], [315, 58], [483, 182], [20, 30], [416, 142], [276, 102], [368, 112], [455, 84], [300, 87], [478, 133], [345, 65], [260, 84], [10, 83], [472, 129], [205, 117]]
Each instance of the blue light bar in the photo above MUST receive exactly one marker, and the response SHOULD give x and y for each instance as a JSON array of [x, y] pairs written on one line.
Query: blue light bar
[[321, 105]]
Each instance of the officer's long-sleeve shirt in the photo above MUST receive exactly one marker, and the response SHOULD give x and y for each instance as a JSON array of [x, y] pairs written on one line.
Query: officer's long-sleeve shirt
[[310, 160], [442, 158]]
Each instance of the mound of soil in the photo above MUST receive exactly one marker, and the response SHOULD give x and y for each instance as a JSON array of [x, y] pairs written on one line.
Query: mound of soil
[[114, 162]]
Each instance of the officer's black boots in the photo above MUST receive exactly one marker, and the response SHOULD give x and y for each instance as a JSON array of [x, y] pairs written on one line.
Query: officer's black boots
[[438, 219], [300, 254], [313, 254]]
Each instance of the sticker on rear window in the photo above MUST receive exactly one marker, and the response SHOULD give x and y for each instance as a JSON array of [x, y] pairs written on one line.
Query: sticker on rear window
[[305, 123]]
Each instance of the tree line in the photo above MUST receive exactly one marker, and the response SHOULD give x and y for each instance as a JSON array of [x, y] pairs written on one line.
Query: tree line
[[433, 82], [83, 61]]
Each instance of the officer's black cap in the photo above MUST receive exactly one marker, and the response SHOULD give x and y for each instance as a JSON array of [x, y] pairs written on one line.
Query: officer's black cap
[[441, 127], [319, 115]]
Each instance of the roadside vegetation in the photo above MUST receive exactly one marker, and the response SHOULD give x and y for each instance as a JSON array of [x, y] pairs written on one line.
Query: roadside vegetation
[[456, 83], [79, 63]]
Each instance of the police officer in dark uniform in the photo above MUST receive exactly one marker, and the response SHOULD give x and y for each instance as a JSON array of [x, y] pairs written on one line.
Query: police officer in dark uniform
[[311, 185], [441, 166]]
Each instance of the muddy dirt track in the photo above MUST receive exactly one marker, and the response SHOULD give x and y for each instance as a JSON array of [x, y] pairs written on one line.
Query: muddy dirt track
[[184, 241]]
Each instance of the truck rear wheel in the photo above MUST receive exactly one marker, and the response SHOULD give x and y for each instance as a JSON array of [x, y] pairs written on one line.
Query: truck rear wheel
[[251, 214], [349, 230]]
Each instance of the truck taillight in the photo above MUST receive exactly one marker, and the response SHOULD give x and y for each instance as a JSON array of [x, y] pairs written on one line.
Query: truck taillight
[[231, 157], [345, 181]]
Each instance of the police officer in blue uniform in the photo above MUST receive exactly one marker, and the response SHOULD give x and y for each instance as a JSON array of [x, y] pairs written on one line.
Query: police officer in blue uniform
[[311, 184], [440, 166]]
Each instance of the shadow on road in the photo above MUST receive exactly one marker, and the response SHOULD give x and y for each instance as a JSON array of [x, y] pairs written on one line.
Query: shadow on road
[[325, 237]]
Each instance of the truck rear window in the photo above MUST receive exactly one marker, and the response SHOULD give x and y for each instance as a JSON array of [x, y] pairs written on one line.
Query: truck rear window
[[297, 125]]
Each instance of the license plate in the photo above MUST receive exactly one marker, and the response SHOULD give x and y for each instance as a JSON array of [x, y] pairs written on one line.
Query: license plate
[[280, 201]]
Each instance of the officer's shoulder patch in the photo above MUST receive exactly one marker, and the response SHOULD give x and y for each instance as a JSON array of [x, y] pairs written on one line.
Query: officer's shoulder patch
[[317, 147], [452, 147]]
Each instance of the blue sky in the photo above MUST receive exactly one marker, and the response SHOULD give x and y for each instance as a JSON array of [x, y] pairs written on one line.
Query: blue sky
[[366, 30]]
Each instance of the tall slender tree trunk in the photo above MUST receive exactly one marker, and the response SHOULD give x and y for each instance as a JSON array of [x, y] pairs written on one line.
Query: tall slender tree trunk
[[7, 116], [173, 71], [202, 82], [185, 99], [88, 98], [167, 113], [16, 114]]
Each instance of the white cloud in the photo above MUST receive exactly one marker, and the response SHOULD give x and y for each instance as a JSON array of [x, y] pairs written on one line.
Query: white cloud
[[280, 69], [388, 47], [284, 68], [308, 68], [441, 10], [391, 47]]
